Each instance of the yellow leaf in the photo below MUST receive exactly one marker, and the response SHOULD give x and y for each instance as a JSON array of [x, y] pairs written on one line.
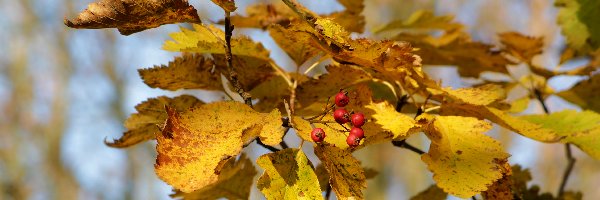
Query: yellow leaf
[[519, 105], [210, 39], [190, 71], [520, 126], [262, 15], [579, 128], [482, 95], [422, 20], [194, 144], [331, 30], [584, 94], [227, 5], [324, 175], [389, 119], [251, 71], [234, 182], [299, 47], [433, 192], [522, 47], [130, 16], [464, 161], [142, 126], [288, 175], [347, 177]]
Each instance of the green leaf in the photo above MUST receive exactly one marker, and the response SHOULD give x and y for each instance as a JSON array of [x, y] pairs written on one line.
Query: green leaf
[[346, 176], [190, 71], [580, 22], [235, 182], [579, 128], [142, 126], [464, 161], [288, 175]]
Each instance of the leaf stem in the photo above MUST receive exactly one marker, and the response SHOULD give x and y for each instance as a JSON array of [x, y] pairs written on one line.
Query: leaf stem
[[300, 10], [233, 77], [328, 192], [570, 159]]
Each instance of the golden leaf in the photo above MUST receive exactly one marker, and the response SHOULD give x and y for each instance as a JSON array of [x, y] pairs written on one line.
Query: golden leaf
[[132, 16], [190, 71], [584, 94], [347, 177], [520, 126], [433, 192], [338, 77], [288, 175], [423, 20], [143, 125], [350, 18], [389, 119], [299, 47], [261, 15], [227, 5], [579, 128], [324, 175], [234, 182], [332, 31], [464, 161], [482, 95], [210, 39], [251, 71], [522, 47], [194, 144], [502, 188]]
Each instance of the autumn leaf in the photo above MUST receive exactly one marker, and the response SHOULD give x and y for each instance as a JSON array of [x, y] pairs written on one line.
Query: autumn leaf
[[190, 71], [234, 182], [386, 116], [580, 23], [333, 31], [131, 16], [582, 95], [347, 177], [251, 71], [326, 85], [482, 95], [464, 161], [520, 126], [299, 47], [195, 143], [350, 18], [433, 192], [579, 128], [210, 39], [288, 175], [422, 20], [142, 126], [324, 175], [502, 188], [262, 15], [227, 5], [522, 47]]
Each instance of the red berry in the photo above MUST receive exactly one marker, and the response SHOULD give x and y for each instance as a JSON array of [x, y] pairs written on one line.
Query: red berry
[[358, 119], [341, 99], [358, 132], [352, 140], [317, 135], [341, 116]]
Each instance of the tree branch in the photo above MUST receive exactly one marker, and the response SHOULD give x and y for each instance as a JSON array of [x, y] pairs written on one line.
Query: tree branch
[[233, 77], [403, 144], [570, 159], [270, 148]]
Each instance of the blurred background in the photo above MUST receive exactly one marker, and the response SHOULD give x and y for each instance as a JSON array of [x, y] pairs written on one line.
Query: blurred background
[[64, 91]]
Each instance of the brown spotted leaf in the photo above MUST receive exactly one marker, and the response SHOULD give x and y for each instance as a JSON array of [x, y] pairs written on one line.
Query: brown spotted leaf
[[142, 126], [227, 5], [347, 177], [585, 94], [433, 192], [132, 16], [190, 71], [482, 95], [234, 182], [502, 188], [522, 47], [195, 144]]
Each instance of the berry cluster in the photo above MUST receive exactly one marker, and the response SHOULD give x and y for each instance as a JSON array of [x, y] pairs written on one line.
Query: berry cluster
[[342, 117]]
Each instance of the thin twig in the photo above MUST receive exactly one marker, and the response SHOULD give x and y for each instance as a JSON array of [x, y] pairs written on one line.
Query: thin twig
[[403, 144], [233, 77], [303, 12], [328, 192], [570, 159], [270, 148]]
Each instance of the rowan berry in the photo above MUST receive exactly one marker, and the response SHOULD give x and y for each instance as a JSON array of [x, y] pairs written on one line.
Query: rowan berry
[[341, 99], [358, 132], [352, 140], [357, 119], [317, 135], [341, 116]]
